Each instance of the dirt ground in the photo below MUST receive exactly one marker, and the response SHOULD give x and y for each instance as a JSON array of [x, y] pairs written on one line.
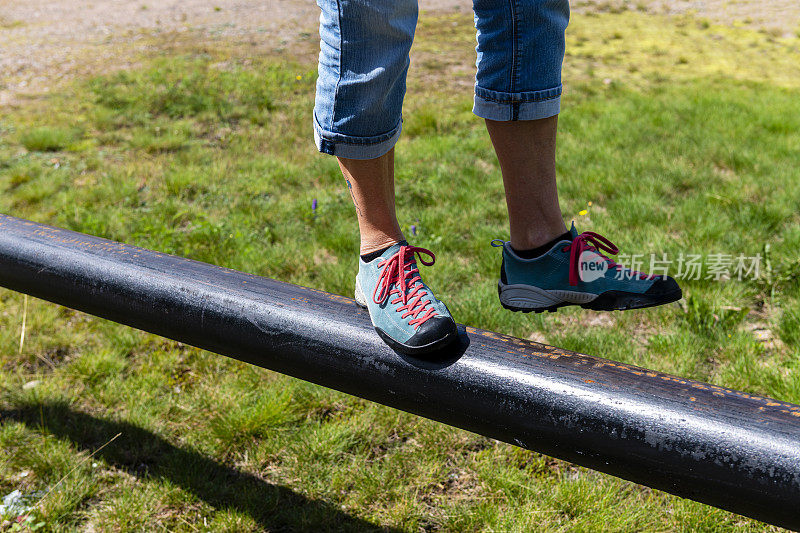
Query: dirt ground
[[775, 15], [45, 41]]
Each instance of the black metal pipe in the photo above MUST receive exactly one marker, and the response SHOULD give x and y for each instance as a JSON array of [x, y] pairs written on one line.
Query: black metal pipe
[[730, 449]]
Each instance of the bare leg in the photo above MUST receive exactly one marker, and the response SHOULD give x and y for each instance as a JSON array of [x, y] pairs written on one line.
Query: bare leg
[[371, 185], [526, 150]]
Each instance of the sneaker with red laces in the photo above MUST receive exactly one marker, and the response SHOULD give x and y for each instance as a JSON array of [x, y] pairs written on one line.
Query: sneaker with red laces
[[576, 272], [403, 309]]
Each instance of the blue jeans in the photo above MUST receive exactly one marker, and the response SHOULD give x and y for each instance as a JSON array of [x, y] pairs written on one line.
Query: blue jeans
[[363, 61]]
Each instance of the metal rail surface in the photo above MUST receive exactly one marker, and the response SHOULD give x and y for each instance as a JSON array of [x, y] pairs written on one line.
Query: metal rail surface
[[725, 448]]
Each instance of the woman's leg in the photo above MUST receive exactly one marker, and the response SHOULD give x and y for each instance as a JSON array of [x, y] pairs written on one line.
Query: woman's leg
[[517, 91], [363, 63], [371, 185], [364, 46], [526, 150]]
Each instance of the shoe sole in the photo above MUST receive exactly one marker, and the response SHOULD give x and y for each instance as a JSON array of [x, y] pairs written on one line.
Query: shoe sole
[[527, 299], [406, 349]]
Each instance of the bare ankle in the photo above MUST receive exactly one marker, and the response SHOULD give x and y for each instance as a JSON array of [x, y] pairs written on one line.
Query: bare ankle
[[381, 242], [537, 238]]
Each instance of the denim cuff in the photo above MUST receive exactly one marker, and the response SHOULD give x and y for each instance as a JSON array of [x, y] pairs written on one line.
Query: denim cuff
[[530, 105], [351, 147]]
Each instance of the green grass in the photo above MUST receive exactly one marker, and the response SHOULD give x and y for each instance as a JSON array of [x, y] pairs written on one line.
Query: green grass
[[47, 139], [206, 153]]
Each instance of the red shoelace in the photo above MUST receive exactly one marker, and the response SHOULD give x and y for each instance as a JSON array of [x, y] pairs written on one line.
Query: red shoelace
[[401, 270], [594, 242]]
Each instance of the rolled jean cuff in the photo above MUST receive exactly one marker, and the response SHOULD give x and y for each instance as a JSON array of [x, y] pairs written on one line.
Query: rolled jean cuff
[[351, 147], [531, 105]]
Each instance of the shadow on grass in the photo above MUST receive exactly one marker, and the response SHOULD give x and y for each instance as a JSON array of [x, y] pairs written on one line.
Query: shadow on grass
[[145, 455]]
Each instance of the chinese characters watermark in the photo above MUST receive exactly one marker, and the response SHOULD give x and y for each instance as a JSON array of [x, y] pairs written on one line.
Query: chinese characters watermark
[[710, 267]]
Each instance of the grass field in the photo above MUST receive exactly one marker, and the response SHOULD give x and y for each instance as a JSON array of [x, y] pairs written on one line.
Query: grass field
[[677, 136]]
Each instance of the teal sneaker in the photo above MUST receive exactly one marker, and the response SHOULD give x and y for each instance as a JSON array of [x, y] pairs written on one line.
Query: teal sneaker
[[577, 273], [403, 310]]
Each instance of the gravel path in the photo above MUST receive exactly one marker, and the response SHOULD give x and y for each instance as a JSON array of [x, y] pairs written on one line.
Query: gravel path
[[42, 41], [45, 41]]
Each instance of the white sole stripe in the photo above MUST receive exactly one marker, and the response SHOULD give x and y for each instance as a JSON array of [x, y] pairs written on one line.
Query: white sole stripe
[[530, 297]]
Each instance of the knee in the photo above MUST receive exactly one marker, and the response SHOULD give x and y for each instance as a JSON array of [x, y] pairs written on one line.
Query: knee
[[366, 25], [388, 23], [560, 11], [367, 37], [363, 64], [522, 15], [551, 16]]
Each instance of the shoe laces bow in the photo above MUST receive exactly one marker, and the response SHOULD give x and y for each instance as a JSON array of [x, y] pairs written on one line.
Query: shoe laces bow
[[594, 242], [401, 271]]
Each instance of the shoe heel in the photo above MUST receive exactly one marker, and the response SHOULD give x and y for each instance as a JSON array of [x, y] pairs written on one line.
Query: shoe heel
[[537, 302], [359, 296]]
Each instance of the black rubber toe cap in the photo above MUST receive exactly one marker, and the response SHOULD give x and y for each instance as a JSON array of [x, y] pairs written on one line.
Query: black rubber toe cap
[[432, 331], [663, 290], [664, 286], [434, 334]]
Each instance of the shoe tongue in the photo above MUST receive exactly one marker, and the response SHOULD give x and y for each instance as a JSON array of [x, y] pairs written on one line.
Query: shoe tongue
[[410, 259], [572, 230], [393, 249]]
